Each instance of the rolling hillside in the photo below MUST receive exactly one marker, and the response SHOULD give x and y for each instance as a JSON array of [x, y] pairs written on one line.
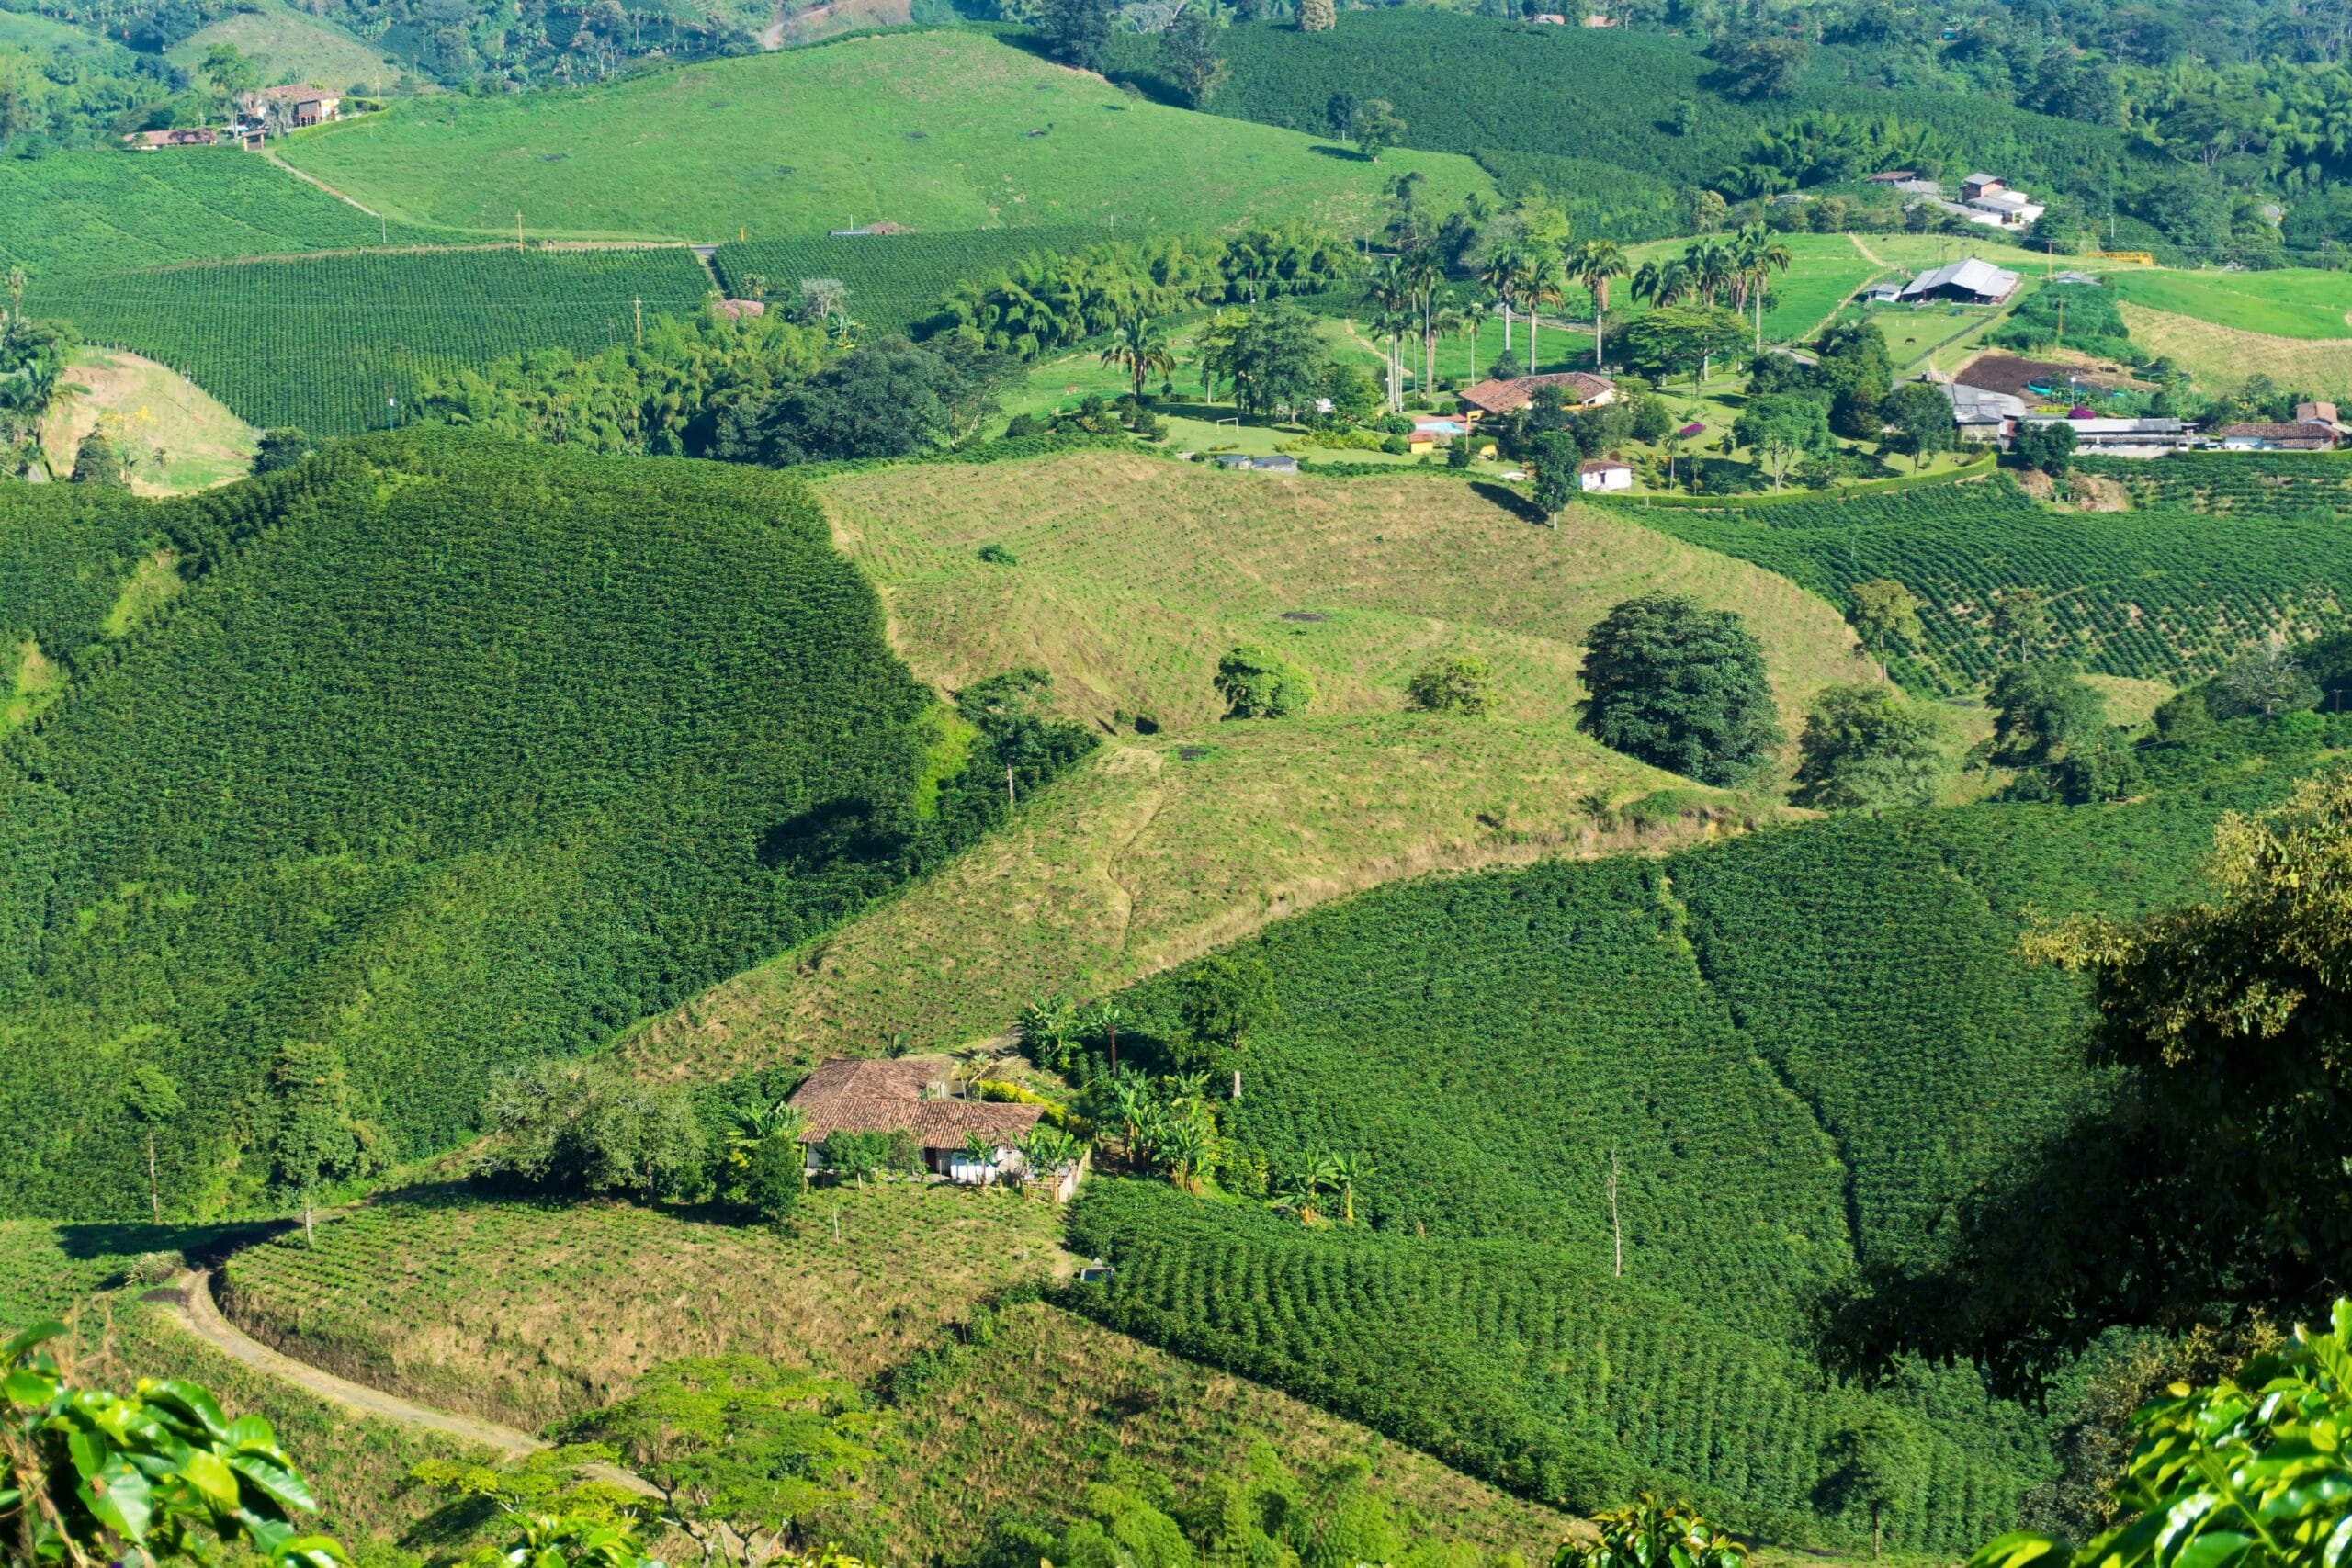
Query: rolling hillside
[[1134, 575], [451, 752], [934, 130], [1793, 1049]]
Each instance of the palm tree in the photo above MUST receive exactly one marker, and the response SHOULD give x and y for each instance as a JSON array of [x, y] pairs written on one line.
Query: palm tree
[[1596, 262], [1545, 281], [1504, 264], [1140, 349], [1426, 271], [1758, 253], [1131, 1095], [1341, 1173], [1103, 1020], [1185, 1150], [1709, 265]]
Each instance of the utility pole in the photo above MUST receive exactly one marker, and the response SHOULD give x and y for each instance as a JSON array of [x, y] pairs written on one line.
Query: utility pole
[[639, 304], [518, 233], [1616, 1231], [1008, 785], [1236, 1072]]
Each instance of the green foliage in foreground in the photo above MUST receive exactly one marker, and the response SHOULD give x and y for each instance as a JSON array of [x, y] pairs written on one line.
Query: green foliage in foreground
[[159, 1476], [455, 753], [323, 343], [2248, 1472], [2153, 594], [1797, 1048], [1258, 1511]]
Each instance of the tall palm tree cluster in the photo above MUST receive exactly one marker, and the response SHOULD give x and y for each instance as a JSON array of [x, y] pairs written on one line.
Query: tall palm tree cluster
[[1526, 275], [1712, 271], [1050, 300]]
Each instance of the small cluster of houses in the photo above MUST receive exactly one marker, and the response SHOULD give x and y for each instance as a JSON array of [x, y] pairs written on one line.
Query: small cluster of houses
[[911, 1097], [258, 114], [1998, 395], [1983, 198]]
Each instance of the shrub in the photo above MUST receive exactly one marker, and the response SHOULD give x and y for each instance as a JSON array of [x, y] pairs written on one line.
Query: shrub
[[1256, 682], [1453, 683]]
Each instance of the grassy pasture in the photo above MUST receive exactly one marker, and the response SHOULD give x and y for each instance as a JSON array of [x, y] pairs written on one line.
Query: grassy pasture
[[930, 130], [1824, 271], [176, 435], [2293, 302], [322, 343], [525, 1313], [1136, 574], [2219, 357]]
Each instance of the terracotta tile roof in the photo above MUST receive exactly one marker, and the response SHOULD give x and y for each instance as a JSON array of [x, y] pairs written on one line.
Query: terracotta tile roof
[[874, 1096], [1503, 397]]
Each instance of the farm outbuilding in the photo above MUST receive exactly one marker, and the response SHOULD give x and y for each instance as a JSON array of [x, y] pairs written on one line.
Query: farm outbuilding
[[867, 1096], [2302, 437], [1968, 282], [1604, 474]]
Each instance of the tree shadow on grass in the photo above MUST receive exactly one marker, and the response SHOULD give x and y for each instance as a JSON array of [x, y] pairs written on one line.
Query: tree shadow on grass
[[1511, 501]]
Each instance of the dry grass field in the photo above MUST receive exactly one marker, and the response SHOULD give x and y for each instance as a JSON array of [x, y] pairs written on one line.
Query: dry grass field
[[2222, 357], [175, 436]]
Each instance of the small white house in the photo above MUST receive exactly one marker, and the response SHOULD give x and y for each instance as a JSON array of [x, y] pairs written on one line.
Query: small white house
[[1605, 473]]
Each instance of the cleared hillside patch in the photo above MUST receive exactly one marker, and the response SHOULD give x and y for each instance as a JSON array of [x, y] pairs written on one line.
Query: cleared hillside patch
[[2290, 302], [291, 47], [934, 130], [174, 436], [525, 1313], [2222, 357], [1134, 575]]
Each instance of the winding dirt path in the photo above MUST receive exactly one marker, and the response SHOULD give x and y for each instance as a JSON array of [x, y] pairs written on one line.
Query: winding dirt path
[[196, 1309]]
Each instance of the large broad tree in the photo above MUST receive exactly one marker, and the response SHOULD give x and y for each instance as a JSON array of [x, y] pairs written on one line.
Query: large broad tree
[[1922, 418], [1275, 359], [1781, 427], [2042, 713], [1685, 339], [1682, 688], [1884, 610], [1076, 31], [889, 397], [1879, 1466], [1863, 749], [1192, 55]]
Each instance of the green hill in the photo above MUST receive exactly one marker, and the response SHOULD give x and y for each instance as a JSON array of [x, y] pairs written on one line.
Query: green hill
[[1517, 96], [451, 752], [934, 130], [1131, 575], [1793, 1048]]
